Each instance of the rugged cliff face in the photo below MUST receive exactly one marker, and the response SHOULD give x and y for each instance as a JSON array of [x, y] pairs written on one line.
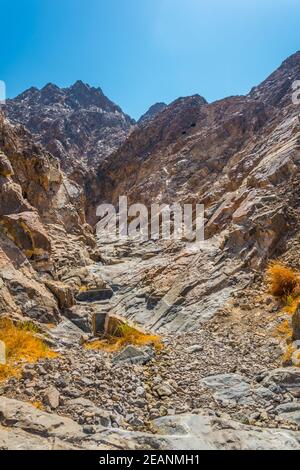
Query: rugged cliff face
[[238, 156], [39, 208], [79, 125]]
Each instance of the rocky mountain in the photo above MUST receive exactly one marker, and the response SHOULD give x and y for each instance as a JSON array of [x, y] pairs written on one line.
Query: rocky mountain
[[235, 156], [42, 227], [79, 125], [152, 112], [223, 372]]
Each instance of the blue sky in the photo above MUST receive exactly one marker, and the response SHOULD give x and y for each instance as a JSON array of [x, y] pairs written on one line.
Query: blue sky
[[144, 51]]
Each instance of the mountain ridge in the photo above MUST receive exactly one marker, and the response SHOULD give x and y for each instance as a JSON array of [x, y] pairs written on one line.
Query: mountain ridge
[[79, 125]]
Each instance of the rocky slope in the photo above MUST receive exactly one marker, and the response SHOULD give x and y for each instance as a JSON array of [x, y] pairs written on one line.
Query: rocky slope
[[39, 207], [79, 125], [240, 158], [219, 381]]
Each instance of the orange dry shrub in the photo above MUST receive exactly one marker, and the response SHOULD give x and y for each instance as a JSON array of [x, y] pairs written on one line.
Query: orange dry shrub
[[291, 304], [123, 336], [288, 353], [21, 346], [38, 405], [285, 329], [282, 281]]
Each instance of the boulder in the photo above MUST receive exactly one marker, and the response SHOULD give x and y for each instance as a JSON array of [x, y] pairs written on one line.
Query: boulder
[[11, 198], [17, 439], [51, 397], [289, 412], [6, 169], [67, 333], [98, 323], [229, 388], [113, 323], [62, 292], [28, 233], [131, 355], [200, 432], [287, 379], [23, 294], [94, 295], [164, 390], [17, 414]]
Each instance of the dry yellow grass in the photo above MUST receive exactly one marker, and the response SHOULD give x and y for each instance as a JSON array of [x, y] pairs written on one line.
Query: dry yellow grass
[[291, 304], [38, 405], [83, 288], [21, 346], [288, 353], [124, 336], [285, 329], [282, 281]]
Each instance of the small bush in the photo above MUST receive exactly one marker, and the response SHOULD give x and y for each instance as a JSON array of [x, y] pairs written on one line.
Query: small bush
[[21, 346], [288, 354], [123, 336], [285, 329], [291, 304], [38, 405], [282, 281]]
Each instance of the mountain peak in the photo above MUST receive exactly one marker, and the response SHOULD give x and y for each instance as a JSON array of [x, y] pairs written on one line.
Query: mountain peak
[[80, 85], [276, 89], [50, 87], [293, 60], [152, 112], [78, 124]]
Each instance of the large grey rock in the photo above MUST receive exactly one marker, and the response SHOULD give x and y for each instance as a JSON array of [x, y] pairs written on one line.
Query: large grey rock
[[98, 322], [2, 353], [67, 333], [17, 439], [223, 381], [229, 388], [131, 355], [290, 412], [164, 390], [287, 379], [94, 295], [28, 428], [198, 432], [51, 397], [14, 413]]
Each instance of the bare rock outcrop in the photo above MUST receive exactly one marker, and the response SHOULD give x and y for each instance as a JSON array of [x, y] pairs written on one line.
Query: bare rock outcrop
[[79, 125], [27, 428], [238, 156], [35, 198]]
